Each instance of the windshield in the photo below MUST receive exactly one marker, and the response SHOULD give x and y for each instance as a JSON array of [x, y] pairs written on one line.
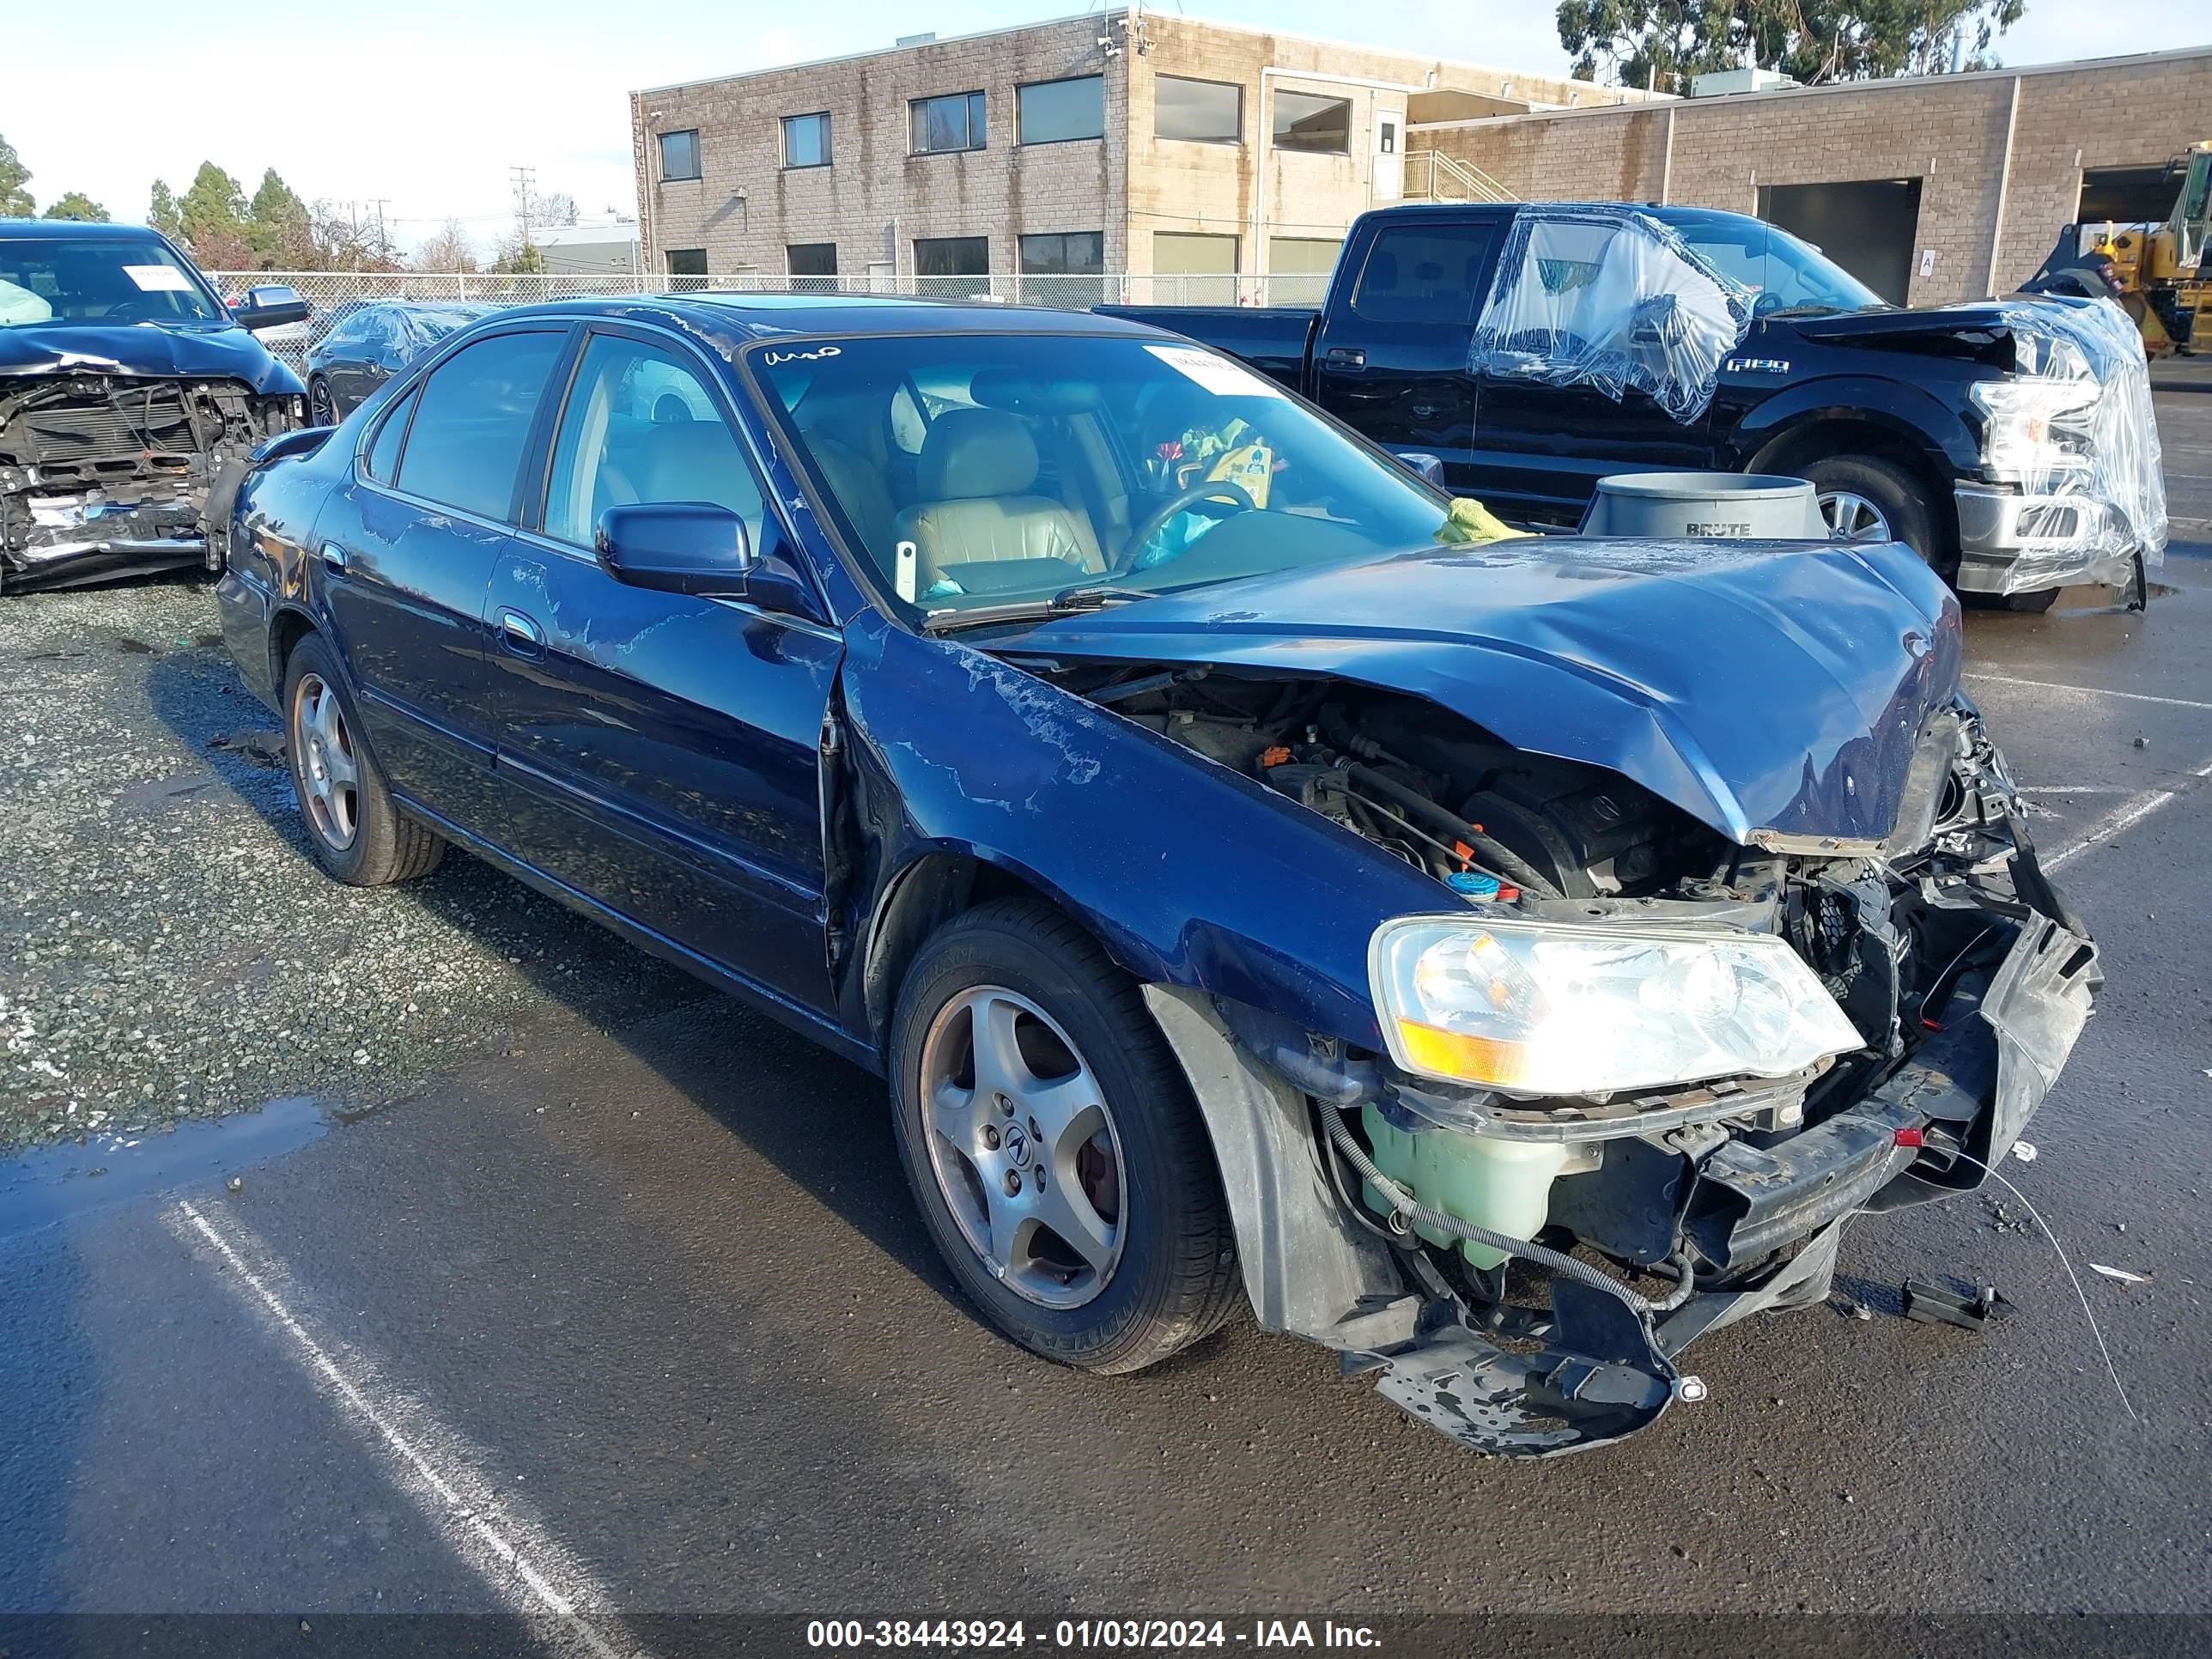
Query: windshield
[[983, 471], [1782, 272], [83, 279]]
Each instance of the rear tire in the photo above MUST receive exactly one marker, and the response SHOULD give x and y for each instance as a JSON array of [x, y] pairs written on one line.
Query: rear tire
[[1156, 1270], [322, 407], [355, 830], [1867, 499]]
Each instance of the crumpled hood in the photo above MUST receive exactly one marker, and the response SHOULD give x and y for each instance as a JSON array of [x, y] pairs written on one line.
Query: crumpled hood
[[1775, 687], [210, 351]]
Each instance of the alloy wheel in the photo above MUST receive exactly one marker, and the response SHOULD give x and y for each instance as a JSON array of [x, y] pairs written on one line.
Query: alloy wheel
[[322, 411], [1852, 518], [1023, 1146], [329, 772]]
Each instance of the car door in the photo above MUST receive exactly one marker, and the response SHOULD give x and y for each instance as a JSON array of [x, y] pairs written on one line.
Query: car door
[[404, 554], [358, 370], [1541, 446], [1391, 360], [660, 751]]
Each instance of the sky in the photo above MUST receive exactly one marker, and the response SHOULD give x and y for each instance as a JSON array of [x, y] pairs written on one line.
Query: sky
[[428, 106]]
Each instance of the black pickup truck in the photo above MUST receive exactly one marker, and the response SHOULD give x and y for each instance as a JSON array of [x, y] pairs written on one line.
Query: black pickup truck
[[1536, 348]]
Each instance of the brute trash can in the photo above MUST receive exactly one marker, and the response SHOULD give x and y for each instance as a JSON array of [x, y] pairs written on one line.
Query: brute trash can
[[1705, 506]]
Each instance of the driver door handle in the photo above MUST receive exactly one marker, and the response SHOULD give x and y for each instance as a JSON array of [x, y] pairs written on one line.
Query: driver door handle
[[520, 635], [334, 558]]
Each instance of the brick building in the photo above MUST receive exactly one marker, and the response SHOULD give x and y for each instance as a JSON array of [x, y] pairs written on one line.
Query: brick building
[[1036, 159], [1933, 189]]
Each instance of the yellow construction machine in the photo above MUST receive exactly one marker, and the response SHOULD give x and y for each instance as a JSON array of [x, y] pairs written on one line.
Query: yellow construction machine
[[2161, 274]]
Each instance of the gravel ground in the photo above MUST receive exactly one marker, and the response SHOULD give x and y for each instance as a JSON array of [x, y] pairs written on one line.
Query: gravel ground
[[172, 950]]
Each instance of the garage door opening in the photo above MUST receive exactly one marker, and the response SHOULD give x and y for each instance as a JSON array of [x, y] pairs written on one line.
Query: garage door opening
[[2128, 196], [1869, 225]]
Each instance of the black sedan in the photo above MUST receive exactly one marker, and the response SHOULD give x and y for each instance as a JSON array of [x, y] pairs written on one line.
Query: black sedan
[[368, 343], [1251, 881]]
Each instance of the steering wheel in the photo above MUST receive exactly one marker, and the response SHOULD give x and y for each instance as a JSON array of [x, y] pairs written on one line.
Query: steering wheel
[[1212, 491]]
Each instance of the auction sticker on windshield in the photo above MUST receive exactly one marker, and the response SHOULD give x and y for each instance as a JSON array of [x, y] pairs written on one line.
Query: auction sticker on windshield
[[159, 279], [1217, 374]]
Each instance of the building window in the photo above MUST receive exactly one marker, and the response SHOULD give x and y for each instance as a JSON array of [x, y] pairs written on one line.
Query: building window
[[1204, 112], [687, 267], [952, 256], [806, 141], [1064, 267], [1194, 269], [1053, 112], [1298, 269], [952, 122], [679, 154], [1305, 120], [812, 267]]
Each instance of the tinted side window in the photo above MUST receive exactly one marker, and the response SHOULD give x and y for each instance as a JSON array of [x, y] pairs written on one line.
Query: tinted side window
[[641, 427], [473, 421], [1425, 274], [384, 454]]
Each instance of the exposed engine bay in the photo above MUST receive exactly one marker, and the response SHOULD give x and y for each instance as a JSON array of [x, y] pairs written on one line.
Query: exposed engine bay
[[1963, 975], [106, 475]]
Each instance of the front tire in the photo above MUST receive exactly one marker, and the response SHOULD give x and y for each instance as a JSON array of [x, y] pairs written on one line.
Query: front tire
[[355, 830], [1053, 1145], [1866, 500]]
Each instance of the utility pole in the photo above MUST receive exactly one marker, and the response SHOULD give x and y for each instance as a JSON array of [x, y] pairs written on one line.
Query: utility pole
[[383, 248], [523, 177]]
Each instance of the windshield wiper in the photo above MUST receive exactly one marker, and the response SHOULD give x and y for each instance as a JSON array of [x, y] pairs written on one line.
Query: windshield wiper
[[1069, 601]]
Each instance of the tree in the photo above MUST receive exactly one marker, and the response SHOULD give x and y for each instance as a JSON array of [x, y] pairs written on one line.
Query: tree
[[278, 229], [79, 206], [163, 215], [557, 208], [15, 202], [1661, 44], [446, 248], [518, 256], [214, 212]]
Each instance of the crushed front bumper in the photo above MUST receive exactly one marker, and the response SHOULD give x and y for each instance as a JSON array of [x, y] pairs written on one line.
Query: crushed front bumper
[[1765, 1211], [2012, 543]]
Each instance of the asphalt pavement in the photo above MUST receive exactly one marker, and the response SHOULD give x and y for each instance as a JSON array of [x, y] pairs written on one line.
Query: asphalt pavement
[[630, 1320]]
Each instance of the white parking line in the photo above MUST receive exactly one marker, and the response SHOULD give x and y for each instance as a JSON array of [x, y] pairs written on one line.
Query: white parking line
[[433, 1466], [2126, 817], [2087, 690]]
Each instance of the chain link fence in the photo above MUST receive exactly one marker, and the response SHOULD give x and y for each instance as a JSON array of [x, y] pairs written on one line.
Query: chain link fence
[[331, 294]]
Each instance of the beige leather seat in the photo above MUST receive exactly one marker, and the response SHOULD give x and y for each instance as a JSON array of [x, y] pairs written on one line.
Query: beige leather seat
[[977, 474], [855, 476]]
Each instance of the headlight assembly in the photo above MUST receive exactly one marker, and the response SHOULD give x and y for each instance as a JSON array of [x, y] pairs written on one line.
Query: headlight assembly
[[1547, 1008]]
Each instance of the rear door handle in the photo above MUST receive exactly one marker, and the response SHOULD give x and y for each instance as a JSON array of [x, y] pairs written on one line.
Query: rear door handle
[[334, 558], [520, 635], [1345, 357]]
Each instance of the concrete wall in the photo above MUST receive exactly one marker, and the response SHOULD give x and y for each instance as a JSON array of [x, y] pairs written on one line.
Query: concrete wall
[[747, 207], [1949, 131]]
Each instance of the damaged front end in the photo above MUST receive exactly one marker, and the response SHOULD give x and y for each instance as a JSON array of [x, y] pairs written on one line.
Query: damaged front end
[[1653, 1065], [105, 475]]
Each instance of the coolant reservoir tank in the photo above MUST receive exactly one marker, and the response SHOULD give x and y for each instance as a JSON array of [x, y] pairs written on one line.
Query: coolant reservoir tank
[[1503, 1185]]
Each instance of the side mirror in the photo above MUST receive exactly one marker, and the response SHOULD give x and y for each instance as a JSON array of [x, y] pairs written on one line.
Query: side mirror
[[1428, 468], [695, 547], [271, 307]]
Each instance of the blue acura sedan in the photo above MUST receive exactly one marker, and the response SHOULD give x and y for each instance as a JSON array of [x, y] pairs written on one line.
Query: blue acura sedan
[[1255, 880]]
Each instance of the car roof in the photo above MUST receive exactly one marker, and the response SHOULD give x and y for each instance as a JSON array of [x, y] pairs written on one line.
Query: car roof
[[778, 316], [1664, 212], [18, 228]]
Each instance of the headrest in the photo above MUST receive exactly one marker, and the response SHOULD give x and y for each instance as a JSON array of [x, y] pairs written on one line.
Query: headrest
[[976, 452]]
